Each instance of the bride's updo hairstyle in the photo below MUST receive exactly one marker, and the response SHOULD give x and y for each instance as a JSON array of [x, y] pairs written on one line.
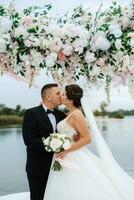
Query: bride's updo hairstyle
[[75, 93]]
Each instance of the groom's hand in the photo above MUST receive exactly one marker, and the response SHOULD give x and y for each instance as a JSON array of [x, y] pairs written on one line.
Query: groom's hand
[[76, 137]]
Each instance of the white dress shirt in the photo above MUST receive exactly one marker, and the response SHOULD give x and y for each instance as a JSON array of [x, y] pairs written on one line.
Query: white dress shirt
[[51, 118]]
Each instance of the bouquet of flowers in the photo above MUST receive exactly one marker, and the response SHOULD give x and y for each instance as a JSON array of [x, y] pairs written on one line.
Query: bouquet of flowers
[[56, 143]]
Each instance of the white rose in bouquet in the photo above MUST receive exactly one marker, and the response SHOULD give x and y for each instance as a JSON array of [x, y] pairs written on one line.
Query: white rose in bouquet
[[56, 143]]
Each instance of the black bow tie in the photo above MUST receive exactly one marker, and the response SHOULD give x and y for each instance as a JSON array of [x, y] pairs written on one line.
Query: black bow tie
[[50, 111]]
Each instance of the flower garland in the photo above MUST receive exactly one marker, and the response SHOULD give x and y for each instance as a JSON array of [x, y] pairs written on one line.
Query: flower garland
[[100, 47]]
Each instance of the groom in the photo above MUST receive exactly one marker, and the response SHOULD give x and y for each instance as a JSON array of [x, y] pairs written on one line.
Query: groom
[[40, 122]]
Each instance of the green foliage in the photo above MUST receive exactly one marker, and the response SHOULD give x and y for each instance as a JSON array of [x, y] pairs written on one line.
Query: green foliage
[[115, 114], [10, 120], [15, 18], [2, 11], [18, 111], [118, 115], [36, 10]]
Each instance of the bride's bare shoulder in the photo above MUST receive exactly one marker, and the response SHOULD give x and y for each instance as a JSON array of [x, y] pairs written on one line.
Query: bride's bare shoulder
[[79, 117], [77, 114]]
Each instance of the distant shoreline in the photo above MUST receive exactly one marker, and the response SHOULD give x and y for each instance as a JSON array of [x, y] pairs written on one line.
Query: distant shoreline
[[6, 120], [13, 121]]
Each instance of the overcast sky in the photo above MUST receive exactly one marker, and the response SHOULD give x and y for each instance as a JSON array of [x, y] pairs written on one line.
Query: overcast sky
[[14, 92]]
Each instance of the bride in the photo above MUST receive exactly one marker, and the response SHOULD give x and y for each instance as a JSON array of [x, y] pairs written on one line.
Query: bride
[[84, 175]]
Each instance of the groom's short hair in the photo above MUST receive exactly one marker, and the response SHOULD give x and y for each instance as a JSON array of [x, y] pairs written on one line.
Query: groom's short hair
[[46, 87]]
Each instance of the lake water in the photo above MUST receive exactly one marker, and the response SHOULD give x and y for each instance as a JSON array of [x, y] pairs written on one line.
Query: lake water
[[118, 133]]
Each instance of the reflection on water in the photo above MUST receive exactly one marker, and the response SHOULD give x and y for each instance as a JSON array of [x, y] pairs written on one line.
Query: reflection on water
[[117, 133], [12, 161]]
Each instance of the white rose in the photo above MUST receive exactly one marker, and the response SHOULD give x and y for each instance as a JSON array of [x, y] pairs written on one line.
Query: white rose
[[5, 24], [51, 59], [79, 44], [84, 34], [55, 144], [71, 30], [55, 44], [99, 41], [54, 56], [115, 30], [49, 62], [102, 44], [89, 57], [2, 46], [21, 31], [67, 49], [36, 58]]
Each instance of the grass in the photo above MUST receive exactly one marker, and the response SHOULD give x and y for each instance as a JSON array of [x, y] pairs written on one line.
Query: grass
[[10, 120]]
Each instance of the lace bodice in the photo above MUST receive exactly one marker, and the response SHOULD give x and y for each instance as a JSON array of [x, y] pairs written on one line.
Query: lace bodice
[[64, 127]]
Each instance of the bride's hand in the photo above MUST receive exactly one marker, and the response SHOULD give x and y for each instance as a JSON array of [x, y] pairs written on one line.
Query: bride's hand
[[61, 155]]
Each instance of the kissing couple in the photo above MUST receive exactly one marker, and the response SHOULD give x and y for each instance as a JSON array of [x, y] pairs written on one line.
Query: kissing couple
[[91, 179]]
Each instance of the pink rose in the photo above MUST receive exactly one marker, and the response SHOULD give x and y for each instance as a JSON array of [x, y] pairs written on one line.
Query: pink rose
[[28, 21], [27, 43], [62, 56]]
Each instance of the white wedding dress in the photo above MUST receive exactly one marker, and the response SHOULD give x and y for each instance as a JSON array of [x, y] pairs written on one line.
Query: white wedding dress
[[83, 176]]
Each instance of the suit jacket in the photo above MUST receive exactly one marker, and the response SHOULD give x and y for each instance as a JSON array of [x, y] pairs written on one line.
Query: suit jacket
[[36, 125]]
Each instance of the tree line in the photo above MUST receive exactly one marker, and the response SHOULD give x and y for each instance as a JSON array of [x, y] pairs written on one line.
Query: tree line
[[18, 111]]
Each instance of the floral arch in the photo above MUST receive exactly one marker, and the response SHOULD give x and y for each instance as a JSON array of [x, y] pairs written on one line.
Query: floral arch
[[98, 47]]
